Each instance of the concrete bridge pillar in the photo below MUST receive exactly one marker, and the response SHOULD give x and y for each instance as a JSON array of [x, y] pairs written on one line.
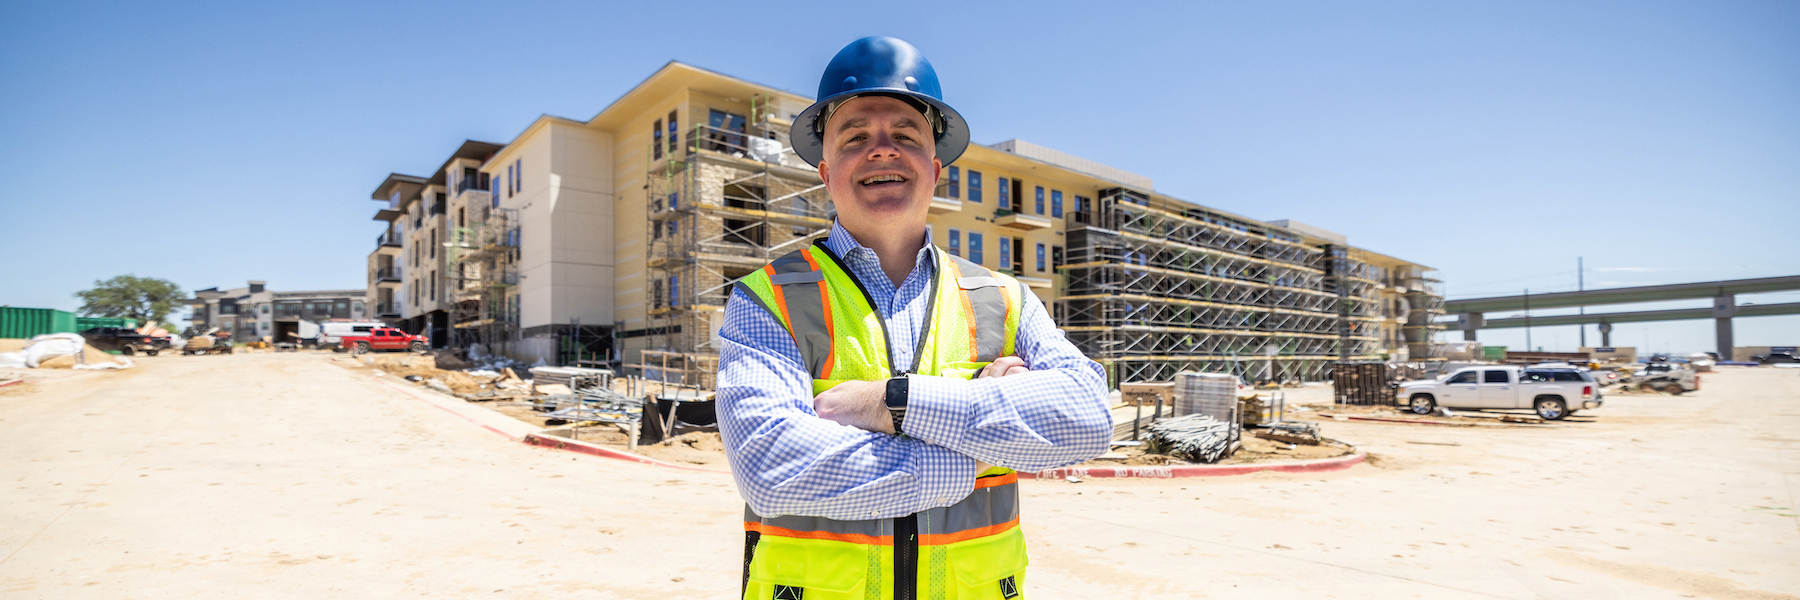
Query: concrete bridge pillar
[[1605, 334], [1469, 323], [1724, 308]]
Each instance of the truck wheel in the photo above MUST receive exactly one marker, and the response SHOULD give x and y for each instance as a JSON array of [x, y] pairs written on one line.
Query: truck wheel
[[125, 351], [1422, 404], [151, 352], [360, 348], [1550, 408], [418, 347]]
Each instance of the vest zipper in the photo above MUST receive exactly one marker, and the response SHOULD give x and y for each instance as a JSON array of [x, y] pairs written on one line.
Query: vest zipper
[[887, 340], [906, 557]]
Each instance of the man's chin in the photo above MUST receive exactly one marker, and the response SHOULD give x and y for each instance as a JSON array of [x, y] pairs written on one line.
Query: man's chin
[[885, 207]]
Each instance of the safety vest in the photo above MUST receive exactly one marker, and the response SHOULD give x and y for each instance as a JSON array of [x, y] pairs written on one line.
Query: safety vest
[[971, 549]]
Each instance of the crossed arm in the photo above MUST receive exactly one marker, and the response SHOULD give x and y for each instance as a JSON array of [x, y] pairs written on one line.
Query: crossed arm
[[834, 456]]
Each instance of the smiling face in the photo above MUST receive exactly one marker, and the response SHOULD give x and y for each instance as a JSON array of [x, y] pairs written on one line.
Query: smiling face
[[880, 166]]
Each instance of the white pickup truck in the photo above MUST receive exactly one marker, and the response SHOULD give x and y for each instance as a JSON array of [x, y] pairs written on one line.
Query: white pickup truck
[[1553, 393]]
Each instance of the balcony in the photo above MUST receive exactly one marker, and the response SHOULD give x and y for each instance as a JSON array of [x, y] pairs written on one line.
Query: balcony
[[1007, 218], [388, 309], [387, 275], [941, 205], [388, 239]]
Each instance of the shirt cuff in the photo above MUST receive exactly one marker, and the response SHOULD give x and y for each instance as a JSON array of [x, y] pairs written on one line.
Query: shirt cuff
[[937, 409]]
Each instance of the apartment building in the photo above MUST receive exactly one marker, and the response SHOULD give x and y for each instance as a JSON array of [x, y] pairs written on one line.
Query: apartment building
[[616, 239], [254, 312], [409, 271]]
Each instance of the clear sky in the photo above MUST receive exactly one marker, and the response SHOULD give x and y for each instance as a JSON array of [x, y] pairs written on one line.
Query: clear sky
[[214, 143]]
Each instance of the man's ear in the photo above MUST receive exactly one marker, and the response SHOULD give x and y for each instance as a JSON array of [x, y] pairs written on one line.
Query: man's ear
[[824, 173], [937, 171]]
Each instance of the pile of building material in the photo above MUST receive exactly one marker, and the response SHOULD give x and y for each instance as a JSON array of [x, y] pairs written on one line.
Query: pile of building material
[[1195, 437], [1212, 394]]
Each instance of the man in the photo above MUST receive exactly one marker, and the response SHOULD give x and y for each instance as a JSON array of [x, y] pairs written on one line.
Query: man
[[876, 394]]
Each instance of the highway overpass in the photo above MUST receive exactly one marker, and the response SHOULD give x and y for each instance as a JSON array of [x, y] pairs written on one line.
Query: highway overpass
[[1470, 312]]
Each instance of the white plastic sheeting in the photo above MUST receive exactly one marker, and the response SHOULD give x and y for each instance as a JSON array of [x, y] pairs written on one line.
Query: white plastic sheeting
[[52, 345]]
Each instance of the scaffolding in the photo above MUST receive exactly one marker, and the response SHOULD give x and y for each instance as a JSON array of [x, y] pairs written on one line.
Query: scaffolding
[[484, 273], [1151, 292], [1424, 296], [723, 201]]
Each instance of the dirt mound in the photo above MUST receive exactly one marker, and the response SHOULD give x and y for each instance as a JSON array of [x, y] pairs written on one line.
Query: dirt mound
[[702, 448]]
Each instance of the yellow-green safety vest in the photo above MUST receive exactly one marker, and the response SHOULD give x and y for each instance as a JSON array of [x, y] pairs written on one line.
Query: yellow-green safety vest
[[971, 549]]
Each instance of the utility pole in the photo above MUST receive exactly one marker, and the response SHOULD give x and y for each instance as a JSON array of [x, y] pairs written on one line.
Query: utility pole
[[1581, 286], [1528, 320]]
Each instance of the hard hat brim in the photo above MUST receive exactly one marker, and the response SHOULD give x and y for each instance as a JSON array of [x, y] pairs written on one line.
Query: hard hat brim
[[809, 143]]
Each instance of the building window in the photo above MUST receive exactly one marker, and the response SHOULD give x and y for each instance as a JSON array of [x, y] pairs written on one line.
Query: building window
[[434, 286], [1056, 257], [656, 141], [956, 242], [726, 132], [974, 185], [674, 132], [656, 295], [1040, 258], [1056, 204], [434, 242], [1040, 200], [511, 176], [1005, 192], [1005, 244], [519, 165], [975, 247], [674, 291], [955, 182]]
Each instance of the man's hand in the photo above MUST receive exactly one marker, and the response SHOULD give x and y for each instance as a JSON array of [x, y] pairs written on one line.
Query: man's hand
[[1003, 366], [859, 404]]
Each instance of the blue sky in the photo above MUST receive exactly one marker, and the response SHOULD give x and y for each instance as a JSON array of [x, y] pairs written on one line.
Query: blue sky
[[1494, 141]]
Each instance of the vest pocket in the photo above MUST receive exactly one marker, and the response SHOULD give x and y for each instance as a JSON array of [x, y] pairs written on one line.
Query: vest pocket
[[981, 563], [827, 570]]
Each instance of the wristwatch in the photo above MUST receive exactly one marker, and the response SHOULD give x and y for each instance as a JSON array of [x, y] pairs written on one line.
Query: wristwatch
[[896, 401]]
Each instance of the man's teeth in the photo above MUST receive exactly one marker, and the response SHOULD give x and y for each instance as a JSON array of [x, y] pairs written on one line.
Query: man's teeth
[[882, 179]]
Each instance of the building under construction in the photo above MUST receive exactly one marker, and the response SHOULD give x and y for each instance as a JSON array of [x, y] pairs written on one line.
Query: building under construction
[[615, 240]]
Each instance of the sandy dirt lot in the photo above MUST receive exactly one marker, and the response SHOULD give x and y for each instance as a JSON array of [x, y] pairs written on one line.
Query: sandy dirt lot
[[284, 476]]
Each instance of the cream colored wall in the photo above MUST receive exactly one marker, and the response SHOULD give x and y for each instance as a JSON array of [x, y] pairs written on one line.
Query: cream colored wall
[[631, 151], [979, 217], [566, 223], [581, 230]]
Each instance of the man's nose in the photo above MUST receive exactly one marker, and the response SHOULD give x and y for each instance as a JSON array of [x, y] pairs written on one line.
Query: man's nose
[[883, 146]]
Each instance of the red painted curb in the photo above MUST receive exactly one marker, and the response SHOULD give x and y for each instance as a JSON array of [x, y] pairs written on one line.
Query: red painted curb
[[1410, 421], [1165, 472], [580, 447], [13, 382]]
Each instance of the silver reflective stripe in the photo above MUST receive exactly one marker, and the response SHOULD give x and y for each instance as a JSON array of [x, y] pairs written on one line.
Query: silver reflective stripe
[[869, 527], [745, 288], [969, 283], [989, 304], [792, 262], [986, 507], [806, 277], [806, 315]]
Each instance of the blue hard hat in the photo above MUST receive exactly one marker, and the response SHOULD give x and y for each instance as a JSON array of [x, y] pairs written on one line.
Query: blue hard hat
[[880, 65]]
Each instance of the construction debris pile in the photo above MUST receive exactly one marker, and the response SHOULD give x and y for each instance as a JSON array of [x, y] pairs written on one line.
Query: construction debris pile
[[58, 351], [1195, 438]]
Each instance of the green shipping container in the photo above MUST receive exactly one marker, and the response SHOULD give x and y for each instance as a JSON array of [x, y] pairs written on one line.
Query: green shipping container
[[1493, 352], [86, 323], [20, 323]]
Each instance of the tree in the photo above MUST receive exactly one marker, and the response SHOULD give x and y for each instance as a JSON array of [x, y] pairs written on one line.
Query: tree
[[143, 298]]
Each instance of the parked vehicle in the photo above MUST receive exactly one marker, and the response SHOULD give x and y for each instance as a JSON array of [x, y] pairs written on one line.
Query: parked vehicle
[[125, 340], [1552, 393], [331, 334], [1776, 357], [1666, 377], [211, 342], [385, 338]]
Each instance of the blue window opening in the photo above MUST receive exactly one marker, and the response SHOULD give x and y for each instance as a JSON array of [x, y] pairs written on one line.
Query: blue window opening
[[955, 242], [1056, 203], [975, 185], [1040, 200], [1005, 193], [955, 182], [1040, 258], [1005, 253], [975, 247]]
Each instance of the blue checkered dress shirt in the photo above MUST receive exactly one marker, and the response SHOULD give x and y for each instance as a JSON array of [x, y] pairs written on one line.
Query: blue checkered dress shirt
[[788, 461]]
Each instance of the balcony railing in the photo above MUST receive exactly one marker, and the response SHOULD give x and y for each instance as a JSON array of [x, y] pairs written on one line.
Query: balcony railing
[[387, 309], [470, 183], [388, 239], [388, 274]]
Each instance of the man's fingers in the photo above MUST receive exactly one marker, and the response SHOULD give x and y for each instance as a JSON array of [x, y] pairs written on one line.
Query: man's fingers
[[1003, 366], [1017, 370]]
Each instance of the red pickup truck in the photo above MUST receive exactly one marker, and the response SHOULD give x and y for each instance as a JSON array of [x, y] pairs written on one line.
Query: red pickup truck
[[385, 338]]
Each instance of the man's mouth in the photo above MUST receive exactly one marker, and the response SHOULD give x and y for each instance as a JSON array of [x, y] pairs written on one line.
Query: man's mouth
[[882, 180]]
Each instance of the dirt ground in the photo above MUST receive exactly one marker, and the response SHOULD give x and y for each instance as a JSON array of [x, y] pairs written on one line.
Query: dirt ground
[[284, 476]]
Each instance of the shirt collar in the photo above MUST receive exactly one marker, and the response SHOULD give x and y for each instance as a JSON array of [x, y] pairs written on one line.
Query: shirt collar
[[841, 243]]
